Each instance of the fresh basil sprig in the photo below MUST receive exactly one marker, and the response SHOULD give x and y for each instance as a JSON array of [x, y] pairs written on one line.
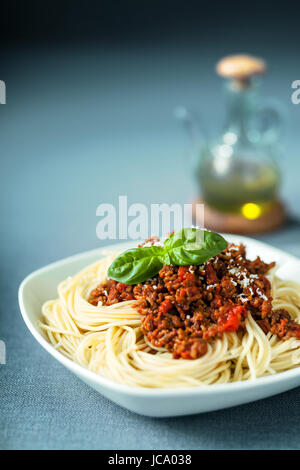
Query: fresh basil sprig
[[136, 265], [188, 246]]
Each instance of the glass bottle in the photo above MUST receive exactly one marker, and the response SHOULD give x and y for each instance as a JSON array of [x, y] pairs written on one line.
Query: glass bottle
[[237, 173]]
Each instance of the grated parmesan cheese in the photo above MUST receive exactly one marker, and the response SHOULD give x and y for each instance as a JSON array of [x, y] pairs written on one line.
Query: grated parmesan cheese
[[243, 298], [245, 282], [261, 294]]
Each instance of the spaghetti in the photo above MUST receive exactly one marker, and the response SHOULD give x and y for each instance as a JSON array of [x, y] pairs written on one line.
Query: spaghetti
[[109, 339]]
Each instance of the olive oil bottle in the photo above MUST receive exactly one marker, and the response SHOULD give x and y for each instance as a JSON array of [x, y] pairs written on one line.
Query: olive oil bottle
[[237, 173]]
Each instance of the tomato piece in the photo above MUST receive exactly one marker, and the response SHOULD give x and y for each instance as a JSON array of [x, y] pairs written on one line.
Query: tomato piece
[[182, 292], [282, 327], [230, 321], [121, 286], [165, 306], [112, 295], [182, 272]]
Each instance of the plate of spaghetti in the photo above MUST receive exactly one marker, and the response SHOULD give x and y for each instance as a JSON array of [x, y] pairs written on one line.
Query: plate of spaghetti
[[195, 322]]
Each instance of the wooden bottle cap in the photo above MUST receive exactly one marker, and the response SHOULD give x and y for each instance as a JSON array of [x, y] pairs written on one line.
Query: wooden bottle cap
[[240, 66]]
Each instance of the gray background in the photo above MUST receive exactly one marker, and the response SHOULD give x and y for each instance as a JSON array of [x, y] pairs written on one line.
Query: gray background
[[82, 125]]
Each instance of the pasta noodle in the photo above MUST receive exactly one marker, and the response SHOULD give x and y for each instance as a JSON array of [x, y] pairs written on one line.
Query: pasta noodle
[[108, 339]]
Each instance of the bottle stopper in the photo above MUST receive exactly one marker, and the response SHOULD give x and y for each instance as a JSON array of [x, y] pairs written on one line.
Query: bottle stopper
[[240, 68]]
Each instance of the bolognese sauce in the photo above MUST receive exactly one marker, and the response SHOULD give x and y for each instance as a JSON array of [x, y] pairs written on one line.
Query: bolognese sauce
[[184, 308]]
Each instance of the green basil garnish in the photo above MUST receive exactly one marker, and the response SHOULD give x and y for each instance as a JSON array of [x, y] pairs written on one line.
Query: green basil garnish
[[189, 246], [136, 265]]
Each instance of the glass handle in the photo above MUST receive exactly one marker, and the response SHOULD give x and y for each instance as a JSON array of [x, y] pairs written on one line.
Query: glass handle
[[194, 130], [267, 124]]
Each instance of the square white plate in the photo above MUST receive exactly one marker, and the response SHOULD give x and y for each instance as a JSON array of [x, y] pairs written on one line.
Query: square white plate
[[41, 285]]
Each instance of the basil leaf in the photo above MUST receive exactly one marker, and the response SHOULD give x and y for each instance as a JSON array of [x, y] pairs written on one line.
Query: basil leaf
[[136, 265], [192, 246], [185, 247], [185, 236]]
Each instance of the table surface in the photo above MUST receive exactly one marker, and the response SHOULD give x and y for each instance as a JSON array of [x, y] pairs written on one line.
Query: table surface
[[80, 128]]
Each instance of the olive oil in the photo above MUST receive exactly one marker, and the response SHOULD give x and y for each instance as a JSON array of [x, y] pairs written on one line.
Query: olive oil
[[249, 188]]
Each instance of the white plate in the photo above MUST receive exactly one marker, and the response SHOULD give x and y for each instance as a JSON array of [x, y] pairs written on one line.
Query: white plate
[[41, 285]]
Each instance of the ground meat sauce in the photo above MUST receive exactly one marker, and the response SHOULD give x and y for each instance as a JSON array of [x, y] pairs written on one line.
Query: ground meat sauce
[[185, 307]]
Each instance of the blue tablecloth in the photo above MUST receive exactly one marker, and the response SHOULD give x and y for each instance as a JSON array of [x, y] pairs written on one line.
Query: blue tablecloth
[[80, 128]]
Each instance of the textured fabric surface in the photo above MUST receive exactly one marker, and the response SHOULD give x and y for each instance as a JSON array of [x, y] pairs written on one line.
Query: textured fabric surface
[[73, 126]]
